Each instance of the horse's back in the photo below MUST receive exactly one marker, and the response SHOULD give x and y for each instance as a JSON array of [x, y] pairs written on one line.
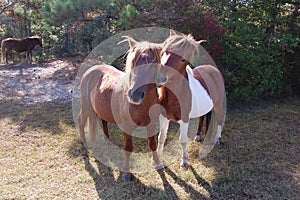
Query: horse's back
[[211, 79], [20, 45], [97, 87], [105, 74], [103, 69]]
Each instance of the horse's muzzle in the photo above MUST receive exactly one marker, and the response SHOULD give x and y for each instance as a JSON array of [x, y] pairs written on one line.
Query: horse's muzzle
[[136, 96], [161, 81]]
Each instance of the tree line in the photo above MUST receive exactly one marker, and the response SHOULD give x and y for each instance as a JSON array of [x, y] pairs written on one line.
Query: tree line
[[255, 43]]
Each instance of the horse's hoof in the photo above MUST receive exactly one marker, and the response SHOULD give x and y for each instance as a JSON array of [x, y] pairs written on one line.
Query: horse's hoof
[[126, 177], [218, 141], [184, 165], [197, 138], [159, 167]]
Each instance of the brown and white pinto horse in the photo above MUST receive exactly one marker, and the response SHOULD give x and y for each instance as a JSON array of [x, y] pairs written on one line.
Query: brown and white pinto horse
[[20, 45], [188, 93], [103, 97]]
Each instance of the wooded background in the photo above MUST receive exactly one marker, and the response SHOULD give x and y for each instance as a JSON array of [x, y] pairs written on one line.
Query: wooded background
[[255, 43]]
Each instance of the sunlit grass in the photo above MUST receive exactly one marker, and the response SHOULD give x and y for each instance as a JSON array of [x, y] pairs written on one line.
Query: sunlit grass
[[41, 157]]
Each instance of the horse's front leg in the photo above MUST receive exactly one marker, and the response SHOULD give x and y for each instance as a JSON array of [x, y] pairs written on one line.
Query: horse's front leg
[[184, 143], [8, 53], [152, 145], [164, 126], [128, 147]]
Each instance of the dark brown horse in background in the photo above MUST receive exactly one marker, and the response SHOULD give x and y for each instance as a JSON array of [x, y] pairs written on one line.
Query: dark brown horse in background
[[19, 45]]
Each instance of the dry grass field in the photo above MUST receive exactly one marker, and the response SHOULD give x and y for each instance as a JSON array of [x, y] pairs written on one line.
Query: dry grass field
[[41, 157]]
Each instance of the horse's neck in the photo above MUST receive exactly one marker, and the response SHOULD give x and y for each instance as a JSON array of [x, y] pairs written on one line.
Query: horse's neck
[[177, 84], [175, 96]]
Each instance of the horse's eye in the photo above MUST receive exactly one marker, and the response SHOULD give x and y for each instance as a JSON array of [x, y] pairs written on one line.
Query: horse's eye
[[182, 60]]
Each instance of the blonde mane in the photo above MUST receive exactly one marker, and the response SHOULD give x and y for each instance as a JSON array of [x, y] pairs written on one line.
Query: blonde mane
[[183, 45], [138, 49]]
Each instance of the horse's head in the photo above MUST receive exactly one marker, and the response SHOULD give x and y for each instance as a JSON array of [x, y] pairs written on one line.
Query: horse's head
[[178, 51], [143, 64], [36, 40], [40, 42]]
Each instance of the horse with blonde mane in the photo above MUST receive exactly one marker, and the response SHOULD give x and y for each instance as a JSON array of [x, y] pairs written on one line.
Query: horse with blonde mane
[[188, 93], [20, 45], [100, 87]]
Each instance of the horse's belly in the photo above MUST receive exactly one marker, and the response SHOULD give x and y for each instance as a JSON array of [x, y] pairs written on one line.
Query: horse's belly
[[201, 101]]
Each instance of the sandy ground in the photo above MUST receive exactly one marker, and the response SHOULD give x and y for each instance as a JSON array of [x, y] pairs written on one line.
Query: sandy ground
[[37, 83]]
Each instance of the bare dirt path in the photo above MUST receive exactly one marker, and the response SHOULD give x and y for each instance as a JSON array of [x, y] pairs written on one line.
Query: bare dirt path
[[38, 83]]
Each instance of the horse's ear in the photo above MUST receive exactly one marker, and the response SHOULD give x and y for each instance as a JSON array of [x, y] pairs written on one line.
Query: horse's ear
[[201, 41], [172, 32], [132, 42]]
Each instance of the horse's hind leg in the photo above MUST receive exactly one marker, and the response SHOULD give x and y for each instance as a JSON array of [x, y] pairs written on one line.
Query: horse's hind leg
[[208, 118], [6, 57], [219, 117], [8, 53], [29, 57], [82, 118], [199, 132], [128, 147], [11, 56], [105, 129], [200, 126]]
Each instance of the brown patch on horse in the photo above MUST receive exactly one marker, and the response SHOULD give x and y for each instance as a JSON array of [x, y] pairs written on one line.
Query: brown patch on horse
[[212, 80], [104, 93]]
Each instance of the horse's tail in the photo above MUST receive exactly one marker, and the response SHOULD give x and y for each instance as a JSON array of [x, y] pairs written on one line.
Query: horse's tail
[[213, 81], [93, 125], [87, 85]]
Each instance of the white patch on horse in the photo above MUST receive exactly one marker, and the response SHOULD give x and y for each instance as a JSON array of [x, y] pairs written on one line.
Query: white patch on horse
[[201, 101], [219, 131], [183, 131], [164, 125]]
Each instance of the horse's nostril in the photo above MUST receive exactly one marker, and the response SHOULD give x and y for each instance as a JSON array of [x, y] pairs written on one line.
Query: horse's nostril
[[143, 95], [165, 79], [136, 95]]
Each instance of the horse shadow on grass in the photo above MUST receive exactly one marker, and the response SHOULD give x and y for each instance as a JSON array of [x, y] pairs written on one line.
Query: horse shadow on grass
[[108, 186], [260, 155]]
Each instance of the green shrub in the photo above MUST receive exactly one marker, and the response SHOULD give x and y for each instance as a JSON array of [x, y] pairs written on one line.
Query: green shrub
[[255, 63]]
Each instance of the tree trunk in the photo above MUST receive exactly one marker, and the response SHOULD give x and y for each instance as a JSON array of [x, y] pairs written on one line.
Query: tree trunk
[[293, 21], [233, 15], [270, 30], [28, 24]]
